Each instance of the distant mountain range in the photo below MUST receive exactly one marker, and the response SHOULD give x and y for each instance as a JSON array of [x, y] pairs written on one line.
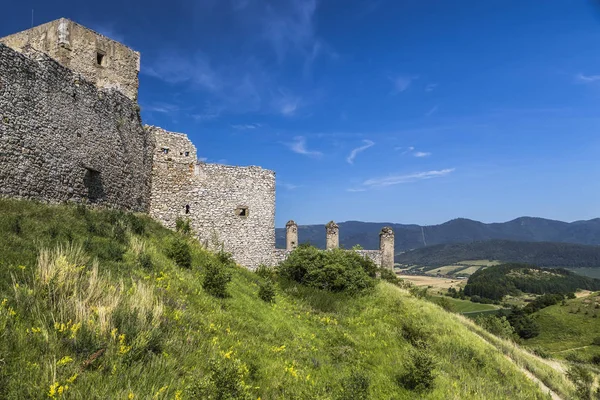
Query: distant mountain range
[[542, 254], [525, 229]]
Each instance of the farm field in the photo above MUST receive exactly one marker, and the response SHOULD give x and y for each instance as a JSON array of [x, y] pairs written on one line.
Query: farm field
[[462, 268], [434, 282]]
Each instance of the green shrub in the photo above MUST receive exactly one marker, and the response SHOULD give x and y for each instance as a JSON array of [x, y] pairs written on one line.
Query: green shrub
[[17, 225], [145, 261], [216, 278], [266, 291], [596, 341], [419, 372], [266, 272], [445, 304], [179, 251], [595, 359], [223, 381], [136, 224], [418, 292], [583, 380], [355, 387], [332, 270], [183, 226], [498, 326], [390, 276]]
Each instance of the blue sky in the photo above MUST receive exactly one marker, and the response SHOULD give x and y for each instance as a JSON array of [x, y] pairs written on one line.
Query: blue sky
[[407, 111]]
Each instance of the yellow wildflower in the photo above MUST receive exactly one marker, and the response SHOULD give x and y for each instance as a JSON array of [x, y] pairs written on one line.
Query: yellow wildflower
[[72, 379], [11, 312], [228, 354], [123, 348], [113, 333], [74, 329], [178, 395], [52, 391], [131, 396], [63, 361], [4, 301], [278, 349], [62, 389], [22, 267], [161, 391]]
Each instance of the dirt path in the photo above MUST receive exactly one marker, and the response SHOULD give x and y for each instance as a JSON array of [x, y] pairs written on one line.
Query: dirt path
[[575, 348], [545, 389]]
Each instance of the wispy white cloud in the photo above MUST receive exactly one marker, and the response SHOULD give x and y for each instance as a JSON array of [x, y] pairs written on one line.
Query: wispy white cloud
[[163, 108], [422, 154], [356, 190], [432, 111], [402, 82], [286, 104], [412, 151], [287, 185], [289, 26], [354, 152], [244, 127], [172, 67], [588, 78], [299, 146], [408, 178], [431, 87]]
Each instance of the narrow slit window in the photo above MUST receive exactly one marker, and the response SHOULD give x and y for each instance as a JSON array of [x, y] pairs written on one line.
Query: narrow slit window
[[187, 209], [164, 150], [100, 58], [187, 153]]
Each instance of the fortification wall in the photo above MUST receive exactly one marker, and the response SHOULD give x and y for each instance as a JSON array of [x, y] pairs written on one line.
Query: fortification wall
[[63, 139], [103, 61], [228, 207]]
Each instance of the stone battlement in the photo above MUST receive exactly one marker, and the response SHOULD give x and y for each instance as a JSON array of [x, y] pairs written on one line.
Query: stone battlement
[[383, 257]]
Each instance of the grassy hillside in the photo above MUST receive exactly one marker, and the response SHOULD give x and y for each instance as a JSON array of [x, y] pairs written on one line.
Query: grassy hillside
[[93, 305], [570, 329], [544, 254]]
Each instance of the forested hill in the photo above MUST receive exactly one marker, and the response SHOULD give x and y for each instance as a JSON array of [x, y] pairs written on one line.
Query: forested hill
[[498, 281], [544, 254], [460, 230]]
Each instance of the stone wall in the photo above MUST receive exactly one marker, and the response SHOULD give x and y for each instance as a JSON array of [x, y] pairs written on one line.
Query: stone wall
[[63, 139], [105, 62], [229, 207], [374, 255]]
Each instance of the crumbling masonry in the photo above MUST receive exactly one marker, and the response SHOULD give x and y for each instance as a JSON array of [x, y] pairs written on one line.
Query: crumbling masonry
[[70, 130]]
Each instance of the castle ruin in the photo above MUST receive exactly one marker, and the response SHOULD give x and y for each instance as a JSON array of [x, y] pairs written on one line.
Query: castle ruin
[[71, 131]]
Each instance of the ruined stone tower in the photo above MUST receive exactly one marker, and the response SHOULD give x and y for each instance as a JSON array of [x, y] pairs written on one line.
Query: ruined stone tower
[[333, 235], [291, 235], [100, 60], [386, 245]]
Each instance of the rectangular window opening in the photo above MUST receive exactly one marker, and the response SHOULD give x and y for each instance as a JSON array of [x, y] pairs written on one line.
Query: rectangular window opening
[[100, 58], [242, 211]]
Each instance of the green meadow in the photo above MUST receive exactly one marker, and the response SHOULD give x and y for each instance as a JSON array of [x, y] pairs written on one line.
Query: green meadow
[[100, 304]]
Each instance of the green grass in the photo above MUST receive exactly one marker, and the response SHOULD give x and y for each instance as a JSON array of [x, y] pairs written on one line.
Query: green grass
[[567, 327], [466, 306], [109, 315]]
